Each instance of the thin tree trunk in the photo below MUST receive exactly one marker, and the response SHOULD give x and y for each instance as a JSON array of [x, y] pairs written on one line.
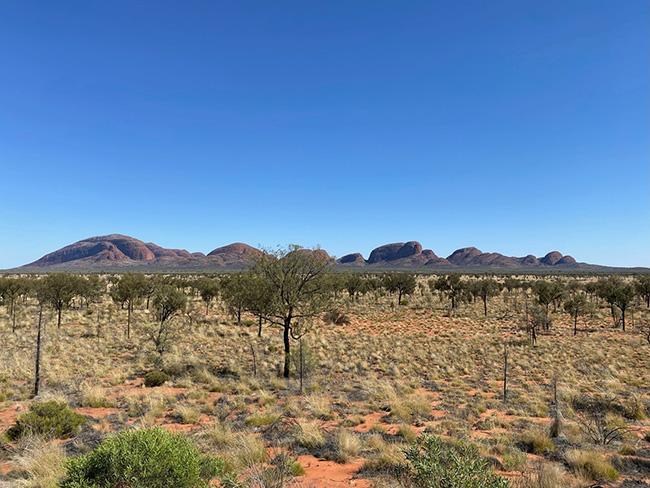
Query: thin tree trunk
[[485, 305], [13, 315], [128, 320], [623, 318], [259, 327], [505, 374], [287, 348], [575, 324], [254, 360], [302, 367], [58, 320], [37, 366]]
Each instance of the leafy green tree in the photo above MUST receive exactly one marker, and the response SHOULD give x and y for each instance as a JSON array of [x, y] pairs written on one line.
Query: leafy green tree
[[127, 292], [486, 288], [259, 298], [452, 286], [297, 279], [400, 283], [58, 290], [354, 285], [234, 292], [208, 289], [624, 294], [546, 292], [642, 285], [91, 288], [606, 289], [167, 301], [576, 304], [11, 289]]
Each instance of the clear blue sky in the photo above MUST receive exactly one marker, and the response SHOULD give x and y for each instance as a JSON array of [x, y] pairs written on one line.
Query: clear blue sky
[[515, 126]]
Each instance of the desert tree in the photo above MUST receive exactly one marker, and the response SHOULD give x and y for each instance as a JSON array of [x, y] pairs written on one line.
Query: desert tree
[[208, 289], [259, 298], [149, 287], [642, 285], [91, 288], [546, 293], [168, 301], [485, 288], [11, 289], [354, 285], [624, 294], [127, 292], [297, 279], [234, 293], [400, 283], [576, 304], [452, 287], [58, 290], [606, 289]]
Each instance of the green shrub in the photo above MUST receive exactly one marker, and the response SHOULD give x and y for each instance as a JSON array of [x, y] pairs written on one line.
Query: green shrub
[[155, 378], [151, 458], [435, 463], [51, 419]]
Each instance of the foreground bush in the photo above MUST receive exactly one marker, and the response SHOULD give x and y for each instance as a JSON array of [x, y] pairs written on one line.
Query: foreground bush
[[51, 419], [151, 458], [155, 378], [438, 464]]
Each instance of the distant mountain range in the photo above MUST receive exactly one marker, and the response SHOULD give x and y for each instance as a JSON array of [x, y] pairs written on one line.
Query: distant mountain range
[[118, 252]]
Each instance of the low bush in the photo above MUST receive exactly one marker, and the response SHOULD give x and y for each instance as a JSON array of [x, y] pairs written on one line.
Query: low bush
[[52, 419], [435, 463], [152, 458], [155, 378]]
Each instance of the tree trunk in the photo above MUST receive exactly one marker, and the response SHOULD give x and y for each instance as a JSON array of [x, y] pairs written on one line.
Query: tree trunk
[[302, 367], [13, 315], [575, 324], [287, 347], [399, 297], [128, 320], [238, 315], [485, 305], [259, 327], [623, 318], [505, 374], [58, 320], [254, 360], [37, 366]]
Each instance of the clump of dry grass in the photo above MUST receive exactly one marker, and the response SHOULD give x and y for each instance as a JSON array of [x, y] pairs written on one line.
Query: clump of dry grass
[[95, 397], [412, 408], [186, 414], [546, 475], [41, 463], [309, 435], [535, 441], [347, 446], [591, 464]]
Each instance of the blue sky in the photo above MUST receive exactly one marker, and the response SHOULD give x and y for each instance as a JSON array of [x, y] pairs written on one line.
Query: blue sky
[[515, 126]]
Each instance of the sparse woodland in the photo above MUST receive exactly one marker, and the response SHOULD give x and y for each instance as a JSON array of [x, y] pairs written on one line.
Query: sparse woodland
[[290, 374]]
